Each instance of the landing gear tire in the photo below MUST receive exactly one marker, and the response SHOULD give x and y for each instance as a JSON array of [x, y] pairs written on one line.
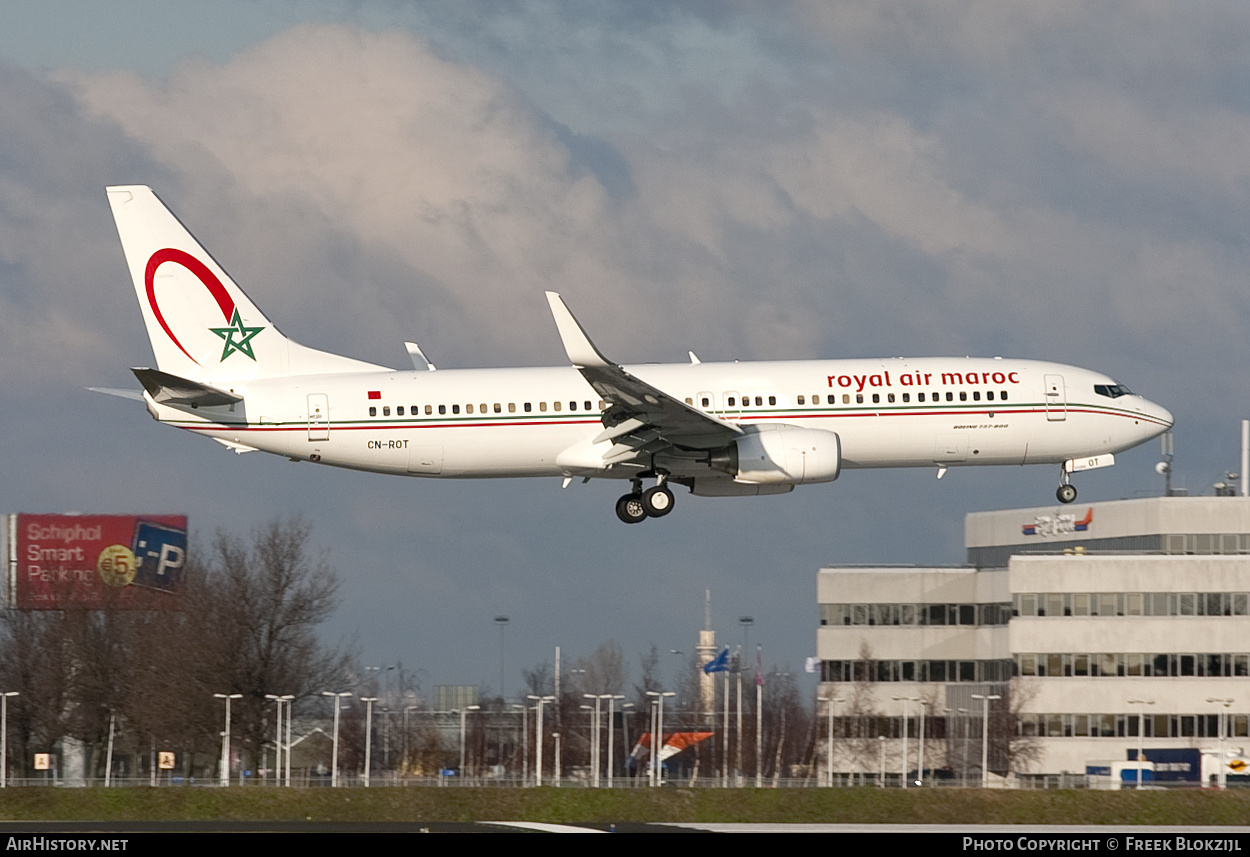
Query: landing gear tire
[[657, 501], [1066, 493], [630, 509]]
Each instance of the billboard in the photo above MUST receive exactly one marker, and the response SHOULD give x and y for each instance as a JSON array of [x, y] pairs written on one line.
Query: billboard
[[120, 561]]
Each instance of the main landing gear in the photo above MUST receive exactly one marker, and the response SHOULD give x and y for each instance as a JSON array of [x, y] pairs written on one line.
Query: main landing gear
[[639, 505], [1066, 492]]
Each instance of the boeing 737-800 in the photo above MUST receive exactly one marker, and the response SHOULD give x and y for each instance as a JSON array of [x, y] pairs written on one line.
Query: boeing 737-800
[[719, 429]]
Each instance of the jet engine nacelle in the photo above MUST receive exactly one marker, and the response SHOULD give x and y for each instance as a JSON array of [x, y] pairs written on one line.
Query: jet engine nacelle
[[782, 455]]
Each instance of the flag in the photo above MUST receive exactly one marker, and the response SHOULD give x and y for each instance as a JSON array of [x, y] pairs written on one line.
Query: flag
[[719, 664]]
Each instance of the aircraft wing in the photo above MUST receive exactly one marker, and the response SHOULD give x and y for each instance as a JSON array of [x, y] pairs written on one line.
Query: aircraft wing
[[642, 419]]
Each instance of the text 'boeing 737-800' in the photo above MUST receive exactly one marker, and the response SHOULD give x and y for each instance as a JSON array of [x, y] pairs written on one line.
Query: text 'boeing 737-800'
[[719, 429]]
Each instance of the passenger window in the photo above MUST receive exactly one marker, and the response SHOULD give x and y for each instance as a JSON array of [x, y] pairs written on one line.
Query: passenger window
[[572, 406], [603, 406], [527, 407], [846, 399], [705, 401], [386, 411], [442, 409], [373, 412], [802, 400], [482, 409], [906, 398], [950, 397], [833, 400], [989, 395], [876, 398], [499, 409], [889, 397], [587, 404], [759, 401], [429, 410], [468, 409], [455, 409], [1003, 395], [963, 397], [542, 406], [689, 401], [399, 411], [772, 400], [859, 398], [555, 406], [976, 395], [919, 397]]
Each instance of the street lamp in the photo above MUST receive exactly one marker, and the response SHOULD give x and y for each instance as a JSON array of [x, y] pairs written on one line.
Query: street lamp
[[906, 719], [334, 760], [829, 701], [368, 701], [463, 713], [1222, 780], [538, 736], [657, 737], [1141, 735], [4, 736], [502, 622], [225, 737], [985, 735], [277, 741], [611, 698]]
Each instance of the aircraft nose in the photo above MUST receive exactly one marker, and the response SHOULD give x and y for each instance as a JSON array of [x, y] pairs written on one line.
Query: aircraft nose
[[1159, 415]]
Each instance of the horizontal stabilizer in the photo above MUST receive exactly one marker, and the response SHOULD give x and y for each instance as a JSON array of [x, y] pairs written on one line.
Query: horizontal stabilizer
[[120, 393], [167, 389]]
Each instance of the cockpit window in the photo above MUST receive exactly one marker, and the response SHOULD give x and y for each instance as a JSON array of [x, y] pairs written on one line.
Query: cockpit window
[[1112, 391]]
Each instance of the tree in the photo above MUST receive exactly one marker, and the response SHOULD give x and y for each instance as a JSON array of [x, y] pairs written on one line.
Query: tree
[[260, 604]]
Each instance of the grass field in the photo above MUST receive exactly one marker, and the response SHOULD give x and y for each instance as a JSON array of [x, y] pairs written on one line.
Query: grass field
[[924, 806]]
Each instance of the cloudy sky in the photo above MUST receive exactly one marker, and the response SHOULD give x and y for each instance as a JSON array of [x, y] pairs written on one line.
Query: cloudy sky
[[1061, 181]]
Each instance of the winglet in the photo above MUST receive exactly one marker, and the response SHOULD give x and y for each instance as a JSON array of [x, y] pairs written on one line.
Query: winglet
[[577, 344]]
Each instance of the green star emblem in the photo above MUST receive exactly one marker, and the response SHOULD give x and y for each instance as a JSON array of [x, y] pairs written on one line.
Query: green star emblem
[[237, 337]]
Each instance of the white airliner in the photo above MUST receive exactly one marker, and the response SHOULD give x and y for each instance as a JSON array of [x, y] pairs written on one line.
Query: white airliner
[[719, 429]]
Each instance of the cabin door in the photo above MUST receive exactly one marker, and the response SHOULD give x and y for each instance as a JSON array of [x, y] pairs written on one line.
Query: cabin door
[[1056, 398], [318, 417]]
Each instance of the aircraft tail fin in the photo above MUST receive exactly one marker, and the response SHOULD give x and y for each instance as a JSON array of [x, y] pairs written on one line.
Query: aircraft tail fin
[[201, 324]]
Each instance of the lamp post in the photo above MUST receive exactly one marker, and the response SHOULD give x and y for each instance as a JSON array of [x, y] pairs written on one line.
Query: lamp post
[[225, 737], [334, 756], [368, 701], [1221, 779], [4, 736], [906, 719], [881, 773], [657, 736], [611, 698], [829, 701], [594, 738], [985, 735], [525, 741], [538, 737], [502, 622], [463, 713], [1141, 735], [280, 701]]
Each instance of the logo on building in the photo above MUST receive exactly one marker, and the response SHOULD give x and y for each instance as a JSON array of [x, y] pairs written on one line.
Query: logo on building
[[1058, 525]]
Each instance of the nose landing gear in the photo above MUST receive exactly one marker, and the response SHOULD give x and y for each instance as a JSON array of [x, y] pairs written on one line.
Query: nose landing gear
[[655, 502], [1066, 492]]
